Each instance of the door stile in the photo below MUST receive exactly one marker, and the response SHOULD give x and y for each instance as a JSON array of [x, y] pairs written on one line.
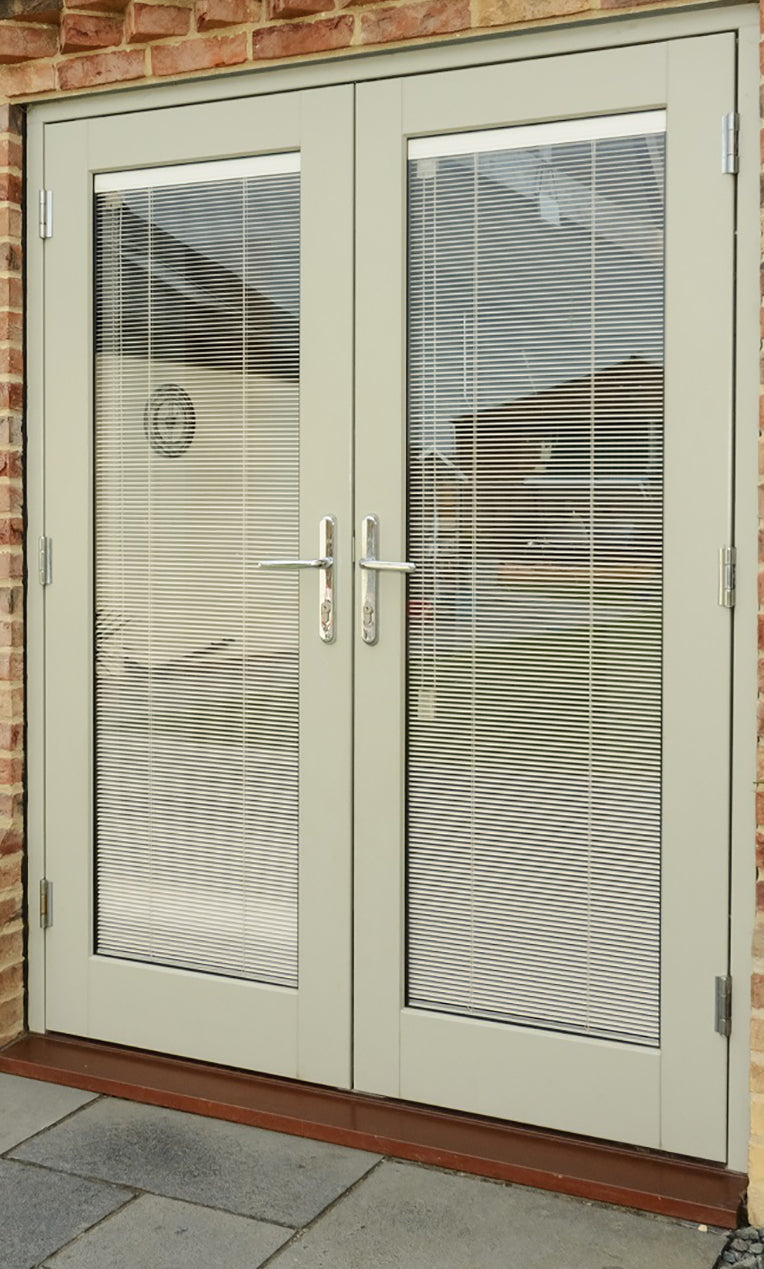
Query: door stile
[[701, 84], [301, 1033], [379, 674], [326, 790], [68, 604]]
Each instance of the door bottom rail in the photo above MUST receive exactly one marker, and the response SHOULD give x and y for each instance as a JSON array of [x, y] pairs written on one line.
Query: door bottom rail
[[650, 1181]]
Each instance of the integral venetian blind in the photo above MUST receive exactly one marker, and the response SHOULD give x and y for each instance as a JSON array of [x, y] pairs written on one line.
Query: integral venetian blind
[[535, 405], [196, 478]]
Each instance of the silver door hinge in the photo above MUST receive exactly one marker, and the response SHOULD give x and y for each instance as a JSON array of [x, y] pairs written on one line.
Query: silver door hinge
[[46, 213], [723, 1011], [45, 561], [727, 578], [730, 149], [46, 904]]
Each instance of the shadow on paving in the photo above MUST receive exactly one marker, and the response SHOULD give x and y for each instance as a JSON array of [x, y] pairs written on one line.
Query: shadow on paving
[[97, 1183]]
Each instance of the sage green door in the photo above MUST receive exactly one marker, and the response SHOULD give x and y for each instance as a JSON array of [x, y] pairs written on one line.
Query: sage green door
[[542, 683], [481, 322], [198, 348]]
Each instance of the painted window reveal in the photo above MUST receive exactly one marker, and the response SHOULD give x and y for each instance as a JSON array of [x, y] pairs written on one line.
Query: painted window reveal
[[196, 478], [535, 520]]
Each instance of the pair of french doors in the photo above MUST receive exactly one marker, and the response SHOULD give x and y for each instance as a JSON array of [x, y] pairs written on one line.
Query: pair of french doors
[[386, 684]]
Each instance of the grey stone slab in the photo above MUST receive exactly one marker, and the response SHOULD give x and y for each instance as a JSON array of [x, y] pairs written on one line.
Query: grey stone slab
[[27, 1106], [40, 1211], [162, 1233], [404, 1215], [231, 1166]]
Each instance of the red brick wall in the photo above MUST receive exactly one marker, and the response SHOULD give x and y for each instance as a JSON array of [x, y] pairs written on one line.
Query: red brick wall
[[98, 42], [756, 1153], [11, 596]]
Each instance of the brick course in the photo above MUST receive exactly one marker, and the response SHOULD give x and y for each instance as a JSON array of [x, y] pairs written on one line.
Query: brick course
[[102, 68], [28, 80], [82, 31], [101, 6], [200, 54], [412, 21], [295, 8], [11, 603], [303, 37], [43, 43], [212, 14], [756, 1149], [756, 1154], [26, 43], [147, 22]]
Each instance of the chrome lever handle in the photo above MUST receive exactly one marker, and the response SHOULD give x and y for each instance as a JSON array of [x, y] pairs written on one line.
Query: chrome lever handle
[[371, 566], [291, 564], [388, 566], [327, 531]]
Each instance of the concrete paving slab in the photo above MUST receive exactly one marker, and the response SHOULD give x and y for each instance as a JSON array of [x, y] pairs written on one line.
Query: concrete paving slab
[[404, 1215], [28, 1106], [161, 1233], [268, 1175], [40, 1211]]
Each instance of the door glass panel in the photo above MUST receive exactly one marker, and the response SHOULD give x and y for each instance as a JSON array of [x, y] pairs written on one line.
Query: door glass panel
[[196, 651], [535, 406]]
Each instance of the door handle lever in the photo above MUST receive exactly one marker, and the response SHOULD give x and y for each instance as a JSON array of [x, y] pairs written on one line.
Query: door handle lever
[[327, 531], [293, 564], [387, 566], [371, 566]]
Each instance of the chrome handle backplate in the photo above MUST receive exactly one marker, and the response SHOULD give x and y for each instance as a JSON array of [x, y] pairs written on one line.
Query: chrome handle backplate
[[327, 531], [370, 566]]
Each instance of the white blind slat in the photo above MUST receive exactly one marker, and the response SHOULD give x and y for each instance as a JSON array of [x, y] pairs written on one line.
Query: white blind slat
[[535, 519], [196, 478]]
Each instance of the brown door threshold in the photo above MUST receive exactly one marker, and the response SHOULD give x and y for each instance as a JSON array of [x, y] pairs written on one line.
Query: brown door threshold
[[647, 1180]]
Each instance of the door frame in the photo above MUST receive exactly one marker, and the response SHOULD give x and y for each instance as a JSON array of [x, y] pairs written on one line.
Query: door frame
[[353, 68]]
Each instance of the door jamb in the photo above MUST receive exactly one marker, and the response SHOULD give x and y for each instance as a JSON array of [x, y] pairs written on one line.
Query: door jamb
[[744, 644]]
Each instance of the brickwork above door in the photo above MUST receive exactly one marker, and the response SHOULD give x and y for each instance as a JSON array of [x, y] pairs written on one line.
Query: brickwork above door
[[48, 47]]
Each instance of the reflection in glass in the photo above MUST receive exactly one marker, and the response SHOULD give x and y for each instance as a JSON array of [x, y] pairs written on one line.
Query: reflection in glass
[[196, 477], [535, 405]]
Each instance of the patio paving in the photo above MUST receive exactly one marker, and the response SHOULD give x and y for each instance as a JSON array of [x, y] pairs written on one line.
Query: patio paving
[[92, 1182]]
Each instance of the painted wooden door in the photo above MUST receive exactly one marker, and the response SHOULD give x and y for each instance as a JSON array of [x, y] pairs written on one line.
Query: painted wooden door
[[197, 452], [536, 779], [544, 370]]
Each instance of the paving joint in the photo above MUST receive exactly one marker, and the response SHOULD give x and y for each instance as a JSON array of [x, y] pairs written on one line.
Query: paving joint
[[138, 1192], [6, 1154], [298, 1233], [43, 1264]]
